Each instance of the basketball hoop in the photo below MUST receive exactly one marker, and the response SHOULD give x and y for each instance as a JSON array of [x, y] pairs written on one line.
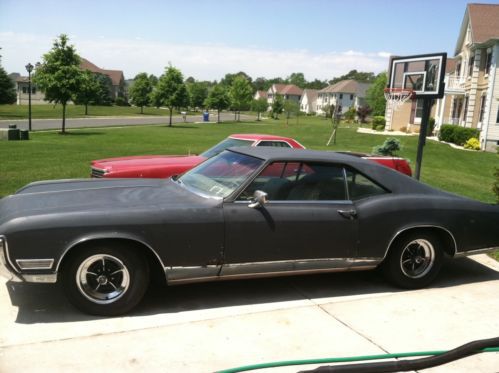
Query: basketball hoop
[[395, 97]]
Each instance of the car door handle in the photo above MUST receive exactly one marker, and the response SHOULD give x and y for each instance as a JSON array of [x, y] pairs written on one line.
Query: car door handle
[[348, 214]]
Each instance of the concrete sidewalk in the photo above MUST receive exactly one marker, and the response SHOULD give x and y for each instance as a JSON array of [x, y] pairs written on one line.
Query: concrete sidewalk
[[207, 327]]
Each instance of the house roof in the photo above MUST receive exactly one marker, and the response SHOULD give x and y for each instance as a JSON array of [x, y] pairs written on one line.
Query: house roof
[[287, 89], [115, 75], [262, 93], [311, 94], [347, 86], [484, 24]]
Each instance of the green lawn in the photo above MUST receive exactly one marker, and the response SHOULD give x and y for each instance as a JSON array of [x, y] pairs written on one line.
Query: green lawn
[[49, 155], [73, 111]]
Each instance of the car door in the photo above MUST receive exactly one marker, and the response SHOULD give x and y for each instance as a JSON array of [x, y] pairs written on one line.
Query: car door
[[307, 224]]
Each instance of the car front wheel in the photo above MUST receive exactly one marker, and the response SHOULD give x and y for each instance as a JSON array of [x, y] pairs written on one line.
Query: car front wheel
[[414, 260], [105, 280]]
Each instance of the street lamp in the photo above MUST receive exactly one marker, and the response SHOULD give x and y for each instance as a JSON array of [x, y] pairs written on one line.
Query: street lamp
[[29, 69]]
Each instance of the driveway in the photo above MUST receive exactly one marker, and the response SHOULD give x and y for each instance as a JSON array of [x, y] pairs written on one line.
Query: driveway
[[50, 124], [207, 327]]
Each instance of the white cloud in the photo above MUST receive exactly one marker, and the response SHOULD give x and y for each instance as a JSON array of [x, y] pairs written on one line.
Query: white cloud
[[202, 61]]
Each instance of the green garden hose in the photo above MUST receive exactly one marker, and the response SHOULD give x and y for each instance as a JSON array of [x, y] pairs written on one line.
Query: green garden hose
[[368, 357]]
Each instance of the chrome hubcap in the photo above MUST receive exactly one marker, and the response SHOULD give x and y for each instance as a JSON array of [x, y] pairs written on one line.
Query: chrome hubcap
[[417, 258], [102, 278]]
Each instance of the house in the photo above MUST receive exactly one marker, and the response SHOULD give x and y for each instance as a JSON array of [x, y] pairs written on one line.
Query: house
[[308, 102], [346, 93], [37, 97], [287, 91], [260, 94], [116, 76], [471, 97]]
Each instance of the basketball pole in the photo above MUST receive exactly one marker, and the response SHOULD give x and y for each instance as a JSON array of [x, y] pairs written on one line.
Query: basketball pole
[[425, 118]]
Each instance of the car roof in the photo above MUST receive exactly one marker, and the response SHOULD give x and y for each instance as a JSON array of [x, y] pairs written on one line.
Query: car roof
[[389, 178], [256, 136]]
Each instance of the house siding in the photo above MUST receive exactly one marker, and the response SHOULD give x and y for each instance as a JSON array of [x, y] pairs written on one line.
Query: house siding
[[489, 136]]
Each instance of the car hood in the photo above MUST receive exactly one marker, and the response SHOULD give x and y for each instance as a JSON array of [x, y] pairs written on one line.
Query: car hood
[[133, 162], [91, 195]]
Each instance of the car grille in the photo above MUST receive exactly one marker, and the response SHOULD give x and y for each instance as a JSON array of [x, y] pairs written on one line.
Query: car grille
[[97, 172]]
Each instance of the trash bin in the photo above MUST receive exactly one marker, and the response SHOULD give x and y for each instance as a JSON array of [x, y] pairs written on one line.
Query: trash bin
[[206, 116], [13, 132], [24, 135]]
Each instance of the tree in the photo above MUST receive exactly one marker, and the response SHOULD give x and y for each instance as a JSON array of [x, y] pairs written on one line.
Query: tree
[[140, 91], [7, 89], [229, 78], [297, 79], [277, 106], [89, 90], [105, 89], [240, 94], [171, 91], [153, 79], [363, 112], [375, 95], [355, 75], [259, 106], [290, 107], [218, 99], [260, 84], [198, 91], [59, 76]]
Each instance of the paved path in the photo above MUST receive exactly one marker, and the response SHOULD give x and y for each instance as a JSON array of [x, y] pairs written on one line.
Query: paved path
[[49, 124], [207, 327]]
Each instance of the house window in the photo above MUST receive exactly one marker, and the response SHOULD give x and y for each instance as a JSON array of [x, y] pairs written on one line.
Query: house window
[[418, 111], [25, 90], [466, 99], [341, 96], [458, 69], [482, 107], [471, 62], [33, 90], [351, 97], [497, 119], [488, 60]]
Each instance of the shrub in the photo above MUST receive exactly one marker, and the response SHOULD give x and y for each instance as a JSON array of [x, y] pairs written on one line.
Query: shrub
[[350, 114], [380, 127], [121, 101], [456, 134], [495, 186], [431, 127], [403, 129], [378, 121], [472, 144], [389, 147], [363, 112]]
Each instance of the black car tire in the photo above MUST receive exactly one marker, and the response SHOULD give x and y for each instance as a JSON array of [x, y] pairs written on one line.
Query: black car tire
[[414, 260], [106, 279]]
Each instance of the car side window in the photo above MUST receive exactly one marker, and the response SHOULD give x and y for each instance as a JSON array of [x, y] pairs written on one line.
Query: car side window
[[359, 186], [293, 181], [279, 144]]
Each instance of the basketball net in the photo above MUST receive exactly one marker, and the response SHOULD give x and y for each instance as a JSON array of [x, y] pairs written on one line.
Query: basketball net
[[395, 98]]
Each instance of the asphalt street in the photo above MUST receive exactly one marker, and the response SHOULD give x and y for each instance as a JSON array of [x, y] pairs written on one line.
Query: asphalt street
[[213, 326], [54, 124]]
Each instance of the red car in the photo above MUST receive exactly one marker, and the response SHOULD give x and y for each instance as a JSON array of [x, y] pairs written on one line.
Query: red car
[[163, 166]]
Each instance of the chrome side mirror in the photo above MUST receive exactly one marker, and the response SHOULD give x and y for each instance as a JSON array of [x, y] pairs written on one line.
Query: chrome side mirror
[[258, 200]]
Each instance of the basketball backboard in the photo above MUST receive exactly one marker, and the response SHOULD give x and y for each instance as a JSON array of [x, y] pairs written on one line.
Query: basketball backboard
[[424, 74]]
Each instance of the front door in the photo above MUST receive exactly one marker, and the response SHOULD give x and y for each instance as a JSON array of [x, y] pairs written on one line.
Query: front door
[[307, 224]]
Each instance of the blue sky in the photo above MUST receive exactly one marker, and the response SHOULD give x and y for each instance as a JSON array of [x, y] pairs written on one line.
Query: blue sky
[[207, 39]]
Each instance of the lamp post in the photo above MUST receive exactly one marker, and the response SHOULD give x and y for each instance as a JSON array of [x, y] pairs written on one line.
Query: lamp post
[[29, 69]]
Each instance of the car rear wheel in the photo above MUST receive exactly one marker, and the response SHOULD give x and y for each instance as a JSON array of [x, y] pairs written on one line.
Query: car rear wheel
[[106, 280], [414, 260]]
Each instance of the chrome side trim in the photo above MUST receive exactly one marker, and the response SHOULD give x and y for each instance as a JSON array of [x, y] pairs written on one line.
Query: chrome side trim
[[45, 279], [178, 275], [31, 264], [301, 202], [269, 274], [474, 252], [420, 226], [107, 237], [7, 255]]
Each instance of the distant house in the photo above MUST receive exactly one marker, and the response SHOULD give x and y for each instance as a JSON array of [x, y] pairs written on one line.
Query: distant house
[[471, 96], [308, 102], [37, 97], [116, 76], [287, 91], [260, 94], [347, 93]]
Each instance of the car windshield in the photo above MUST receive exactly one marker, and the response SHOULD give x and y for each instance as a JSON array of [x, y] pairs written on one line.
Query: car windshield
[[221, 175], [225, 144]]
